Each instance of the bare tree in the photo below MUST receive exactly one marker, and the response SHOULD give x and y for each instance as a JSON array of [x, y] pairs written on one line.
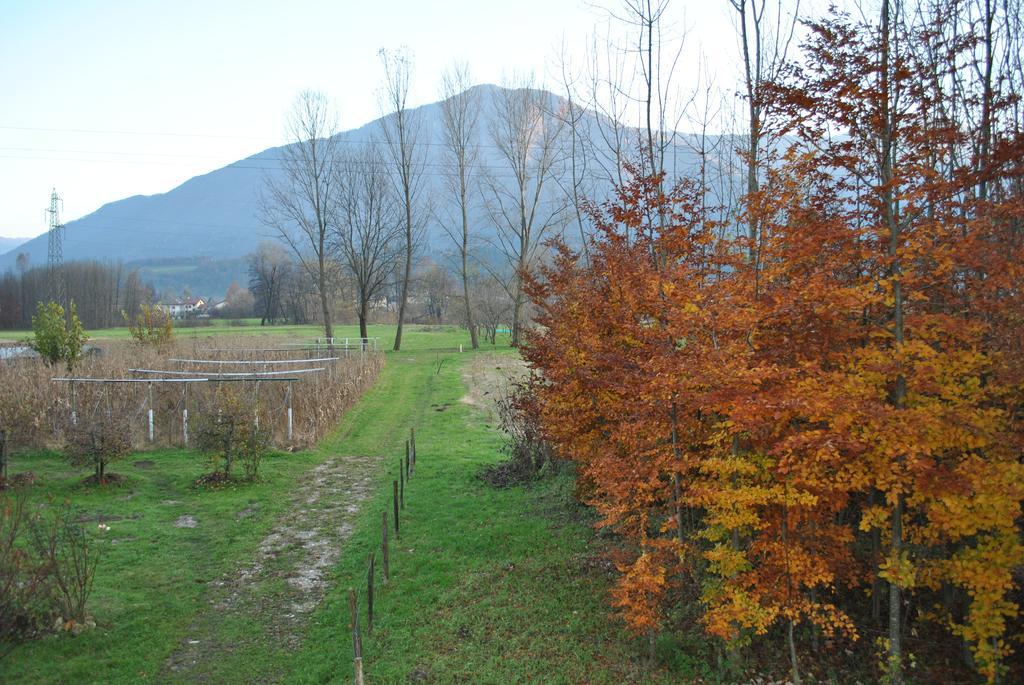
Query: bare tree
[[369, 234], [765, 31], [301, 204], [526, 135], [268, 265], [402, 130], [460, 112]]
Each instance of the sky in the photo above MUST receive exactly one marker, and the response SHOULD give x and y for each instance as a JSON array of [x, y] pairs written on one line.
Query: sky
[[104, 100]]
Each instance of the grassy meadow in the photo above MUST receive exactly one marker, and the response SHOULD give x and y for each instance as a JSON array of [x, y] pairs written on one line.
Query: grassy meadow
[[488, 585]]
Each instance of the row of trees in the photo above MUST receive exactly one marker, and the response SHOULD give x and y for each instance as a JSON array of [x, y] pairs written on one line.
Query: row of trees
[[100, 291], [359, 212], [803, 411]]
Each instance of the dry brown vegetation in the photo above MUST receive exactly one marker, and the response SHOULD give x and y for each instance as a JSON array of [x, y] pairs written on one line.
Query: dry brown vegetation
[[35, 411]]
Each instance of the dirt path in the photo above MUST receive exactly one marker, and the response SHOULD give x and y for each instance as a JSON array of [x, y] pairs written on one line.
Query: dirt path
[[265, 603]]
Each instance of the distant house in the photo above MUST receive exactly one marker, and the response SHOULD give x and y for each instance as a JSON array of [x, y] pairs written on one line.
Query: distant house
[[184, 308]]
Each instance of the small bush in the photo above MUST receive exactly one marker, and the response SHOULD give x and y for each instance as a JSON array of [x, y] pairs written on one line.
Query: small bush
[[55, 338], [69, 559], [228, 433], [528, 452], [151, 326], [47, 568], [96, 442]]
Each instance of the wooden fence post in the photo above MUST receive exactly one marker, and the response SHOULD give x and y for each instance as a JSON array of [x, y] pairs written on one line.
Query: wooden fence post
[[357, 641], [394, 485], [401, 482], [384, 546], [408, 451], [369, 596]]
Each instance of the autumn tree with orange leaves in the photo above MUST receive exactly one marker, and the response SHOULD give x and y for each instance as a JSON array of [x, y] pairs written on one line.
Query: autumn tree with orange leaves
[[825, 441]]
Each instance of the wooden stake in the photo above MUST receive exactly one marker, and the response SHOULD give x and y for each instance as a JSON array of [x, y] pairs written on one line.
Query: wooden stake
[[384, 546], [412, 439], [357, 641], [401, 482], [408, 451], [369, 596], [394, 498]]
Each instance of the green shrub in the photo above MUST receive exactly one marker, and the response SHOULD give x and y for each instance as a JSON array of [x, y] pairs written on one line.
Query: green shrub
[[56, 338]]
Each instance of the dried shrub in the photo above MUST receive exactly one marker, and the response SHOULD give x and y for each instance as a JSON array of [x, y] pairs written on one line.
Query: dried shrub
[[39, 413], [68, 558], [527, 450], [97, 441], [231, 433], [47, 568]]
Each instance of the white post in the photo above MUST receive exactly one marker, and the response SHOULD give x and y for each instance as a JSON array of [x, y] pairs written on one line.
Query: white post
[[150, 412], [184, 415], [289, 393], [460, 348]]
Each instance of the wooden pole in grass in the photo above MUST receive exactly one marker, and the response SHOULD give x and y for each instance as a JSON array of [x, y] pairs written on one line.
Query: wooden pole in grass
[[357, 641], [384, 545], [408, 452], [394, 485], [369, 596], [401, 482], [412, 439]]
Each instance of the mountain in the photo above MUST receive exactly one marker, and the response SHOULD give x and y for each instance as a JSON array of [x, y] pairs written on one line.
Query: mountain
[[9, 244], [213, 218]]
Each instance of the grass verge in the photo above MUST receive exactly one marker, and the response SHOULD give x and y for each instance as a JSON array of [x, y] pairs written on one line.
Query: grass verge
[[488, 586]]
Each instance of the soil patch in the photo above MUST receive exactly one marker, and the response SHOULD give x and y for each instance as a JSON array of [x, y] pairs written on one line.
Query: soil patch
[[108, 479], [186, 521], [286, 580], [144, 464]]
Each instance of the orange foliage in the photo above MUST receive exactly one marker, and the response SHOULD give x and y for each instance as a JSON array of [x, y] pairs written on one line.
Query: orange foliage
[[838, 405]]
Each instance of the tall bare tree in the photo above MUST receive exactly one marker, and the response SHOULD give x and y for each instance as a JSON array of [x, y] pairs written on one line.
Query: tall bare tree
[[526, 134], [402, 130], [268, 266], [765, 29], [301, 204], [460, 113], [369, 232]]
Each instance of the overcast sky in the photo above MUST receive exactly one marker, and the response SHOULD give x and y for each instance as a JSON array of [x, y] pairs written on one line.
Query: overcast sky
[[104, 100]]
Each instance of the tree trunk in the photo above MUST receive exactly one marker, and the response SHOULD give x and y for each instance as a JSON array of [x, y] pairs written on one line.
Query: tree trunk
[[408, 264], [465, 279], [362, 318]]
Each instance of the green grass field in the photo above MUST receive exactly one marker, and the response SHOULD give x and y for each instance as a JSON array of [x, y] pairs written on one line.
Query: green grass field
[[488, 585]]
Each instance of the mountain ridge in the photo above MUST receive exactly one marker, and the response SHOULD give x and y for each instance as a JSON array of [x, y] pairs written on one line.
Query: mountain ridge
[[214, 216]]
